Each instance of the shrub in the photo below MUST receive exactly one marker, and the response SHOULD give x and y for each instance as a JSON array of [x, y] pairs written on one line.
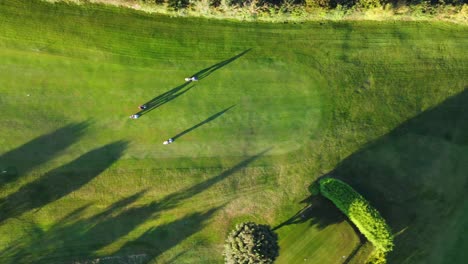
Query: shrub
[[366, 218], [301, 10], [251, 243], [177, 4], [369, 4], [314, 188], [318, 3]]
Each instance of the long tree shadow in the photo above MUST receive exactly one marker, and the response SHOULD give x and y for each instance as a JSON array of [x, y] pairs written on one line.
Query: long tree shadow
[[159, 239], [209, 119], [165, 98], [23, 159], [207, 71], [47, 247], [318, 212], [60, 181], [346, 41], [416, 176], [79, 240], [173, 199]]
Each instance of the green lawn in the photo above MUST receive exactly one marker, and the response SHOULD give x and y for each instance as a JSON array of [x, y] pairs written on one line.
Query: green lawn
[[381, 105]]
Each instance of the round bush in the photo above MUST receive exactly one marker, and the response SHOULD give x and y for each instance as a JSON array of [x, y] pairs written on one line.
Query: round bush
[[251, 243]]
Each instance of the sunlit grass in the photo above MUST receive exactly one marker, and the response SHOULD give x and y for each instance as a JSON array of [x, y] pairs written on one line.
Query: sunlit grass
[[305, 97]]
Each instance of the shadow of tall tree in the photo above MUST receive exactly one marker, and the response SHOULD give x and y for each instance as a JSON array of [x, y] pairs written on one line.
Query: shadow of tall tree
[[60, 181], [416, 176], [23, 159], [318, 211], [50, 246], [79, 240], [159, 239]]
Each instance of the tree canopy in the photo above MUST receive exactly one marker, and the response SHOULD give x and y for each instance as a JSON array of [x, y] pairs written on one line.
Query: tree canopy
[[251, 243]]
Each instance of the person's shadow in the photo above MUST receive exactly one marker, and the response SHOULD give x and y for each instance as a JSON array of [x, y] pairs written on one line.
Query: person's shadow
[[164, 98], [181, 89], [207, 71], [209, 119]]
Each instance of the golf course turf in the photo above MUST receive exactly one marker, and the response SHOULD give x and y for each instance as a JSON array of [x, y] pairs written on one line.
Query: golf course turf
[[381, 105]]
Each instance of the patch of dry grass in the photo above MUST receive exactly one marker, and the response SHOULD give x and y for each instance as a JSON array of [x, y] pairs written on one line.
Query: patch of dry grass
[[252, 11]]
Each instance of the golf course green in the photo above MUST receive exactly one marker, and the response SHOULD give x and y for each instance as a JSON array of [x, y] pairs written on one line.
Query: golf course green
[[381, 105]]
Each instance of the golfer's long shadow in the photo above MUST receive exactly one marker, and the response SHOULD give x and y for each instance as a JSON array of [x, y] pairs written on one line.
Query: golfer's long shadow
[[23, 159], [60, 181], [319, 212], [179, 90], [205, 72], [416, 176], [165, 98], [209, 119]]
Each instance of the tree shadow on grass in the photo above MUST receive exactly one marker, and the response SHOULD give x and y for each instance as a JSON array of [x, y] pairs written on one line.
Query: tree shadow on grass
[[172, 200], [207, 71], [77, 238], [47, 246], [159, 239], [209, 119], [25, 158], [416, 176], [165, 98], [347, 30], [318, 212], [60, 181]]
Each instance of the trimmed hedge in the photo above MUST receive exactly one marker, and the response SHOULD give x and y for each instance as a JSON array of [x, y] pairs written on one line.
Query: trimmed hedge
[[365, 217]]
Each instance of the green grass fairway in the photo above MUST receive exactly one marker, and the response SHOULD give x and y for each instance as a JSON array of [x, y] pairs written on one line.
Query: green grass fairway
[[381, 105]]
